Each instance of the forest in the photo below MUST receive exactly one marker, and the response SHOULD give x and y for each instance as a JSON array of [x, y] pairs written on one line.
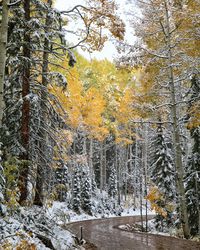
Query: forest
[[95, 137]]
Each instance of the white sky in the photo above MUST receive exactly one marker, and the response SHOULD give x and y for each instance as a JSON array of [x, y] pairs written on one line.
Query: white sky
[[109, 50]]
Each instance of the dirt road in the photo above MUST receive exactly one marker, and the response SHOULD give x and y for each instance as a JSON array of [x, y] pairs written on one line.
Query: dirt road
[[105, 236]]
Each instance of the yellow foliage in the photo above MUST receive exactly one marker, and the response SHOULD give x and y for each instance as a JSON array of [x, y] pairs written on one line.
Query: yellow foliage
[[13, 198], [6, 245], [101, 15], [123, 141], [93, 108], [25, 245], [99, 99], [11, 171], [84, 108], [125, 110], [155, 196], [194, 113], [185, 44]]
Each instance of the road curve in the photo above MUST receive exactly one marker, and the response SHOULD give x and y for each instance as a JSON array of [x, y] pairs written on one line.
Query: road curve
[[105, 236]]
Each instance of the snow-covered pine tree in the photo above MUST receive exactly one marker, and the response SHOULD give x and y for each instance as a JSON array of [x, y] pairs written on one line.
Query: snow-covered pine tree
[[110, 154], [86, 190], [163, 174], [93, 185], [12, 88], [76, 189], [192, 179], [112, 182], [62, 181], [49, 119], [96, 164], [30, 119]]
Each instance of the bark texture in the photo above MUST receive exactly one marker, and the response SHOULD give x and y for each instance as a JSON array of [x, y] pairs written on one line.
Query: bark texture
[[176, 134], [43, 164], [3, 43], [25, 128]]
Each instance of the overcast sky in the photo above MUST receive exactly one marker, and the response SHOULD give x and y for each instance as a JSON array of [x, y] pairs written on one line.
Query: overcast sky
[[109, 50]]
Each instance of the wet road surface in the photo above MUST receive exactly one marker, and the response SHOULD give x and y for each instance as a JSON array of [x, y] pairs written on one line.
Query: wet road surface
[[105, 236]]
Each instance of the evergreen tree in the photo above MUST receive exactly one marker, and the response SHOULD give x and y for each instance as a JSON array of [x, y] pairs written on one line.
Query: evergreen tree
[[163, 175], [93, 186], [76, 189], [96, 162], [112, 182], [30, 120], [62, 181], [86, 191], [193, 167]]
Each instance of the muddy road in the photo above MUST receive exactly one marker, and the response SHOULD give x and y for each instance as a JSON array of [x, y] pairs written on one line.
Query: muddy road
[[104, 234]]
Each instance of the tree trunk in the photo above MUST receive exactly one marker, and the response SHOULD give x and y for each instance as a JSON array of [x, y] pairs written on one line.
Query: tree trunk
[[145, 173], [104, 167], [101, 167], [25, 128], [176, 133], [3, 43], [90, 158], [135, 171], [117, 163], [126, 172], [141, 205], [43, 164], [198, 201]]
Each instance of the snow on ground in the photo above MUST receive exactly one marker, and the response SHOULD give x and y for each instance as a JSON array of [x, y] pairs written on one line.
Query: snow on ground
[[12, 234], [29, 228], [63, 215], [28, 225], [151, 228], [137, 212], [63, 239]]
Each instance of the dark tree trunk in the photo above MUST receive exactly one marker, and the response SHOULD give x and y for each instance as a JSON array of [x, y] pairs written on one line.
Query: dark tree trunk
[[3, 44], [43, 164], [25, 131]]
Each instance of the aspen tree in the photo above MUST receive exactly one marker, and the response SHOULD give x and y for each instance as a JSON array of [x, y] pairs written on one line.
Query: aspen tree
[[162, 52]]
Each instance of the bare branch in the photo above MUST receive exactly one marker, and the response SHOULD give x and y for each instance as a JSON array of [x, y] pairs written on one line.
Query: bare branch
[[16, 2], [73, 9]]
